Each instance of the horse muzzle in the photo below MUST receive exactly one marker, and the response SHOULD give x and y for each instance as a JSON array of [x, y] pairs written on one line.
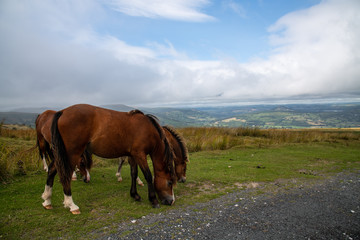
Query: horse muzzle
[[168, 200], [182, 179]]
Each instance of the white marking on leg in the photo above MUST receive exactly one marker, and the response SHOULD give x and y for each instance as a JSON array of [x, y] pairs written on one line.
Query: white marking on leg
[[44, 163], [47, 196], [74, 177], [69, 203], [118, 174], [138, 180], [87, 175]]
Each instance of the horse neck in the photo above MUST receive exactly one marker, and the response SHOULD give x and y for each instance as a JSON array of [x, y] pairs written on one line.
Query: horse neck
[[158, 160]]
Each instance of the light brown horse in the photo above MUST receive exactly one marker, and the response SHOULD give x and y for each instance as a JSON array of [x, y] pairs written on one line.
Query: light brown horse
[[43, 133], [110, 134], [180, 155]]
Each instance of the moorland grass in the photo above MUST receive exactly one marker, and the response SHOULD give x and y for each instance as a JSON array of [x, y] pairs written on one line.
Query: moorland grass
[[250, 155]]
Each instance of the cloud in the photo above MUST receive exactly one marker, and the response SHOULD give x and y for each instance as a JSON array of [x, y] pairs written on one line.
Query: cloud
[[317, 50], [315, 55], [181, 10], [53, 55], [235, 7]]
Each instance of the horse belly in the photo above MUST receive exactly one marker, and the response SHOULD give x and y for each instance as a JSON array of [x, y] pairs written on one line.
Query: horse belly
[[105, 148]]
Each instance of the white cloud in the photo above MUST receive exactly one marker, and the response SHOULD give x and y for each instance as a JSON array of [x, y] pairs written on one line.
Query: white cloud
[[316, 54], [54, 56], [235, 7], [182, 10]]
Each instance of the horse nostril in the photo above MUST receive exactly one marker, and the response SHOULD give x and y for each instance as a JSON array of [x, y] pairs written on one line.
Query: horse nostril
[[169, 202], [182, 180]]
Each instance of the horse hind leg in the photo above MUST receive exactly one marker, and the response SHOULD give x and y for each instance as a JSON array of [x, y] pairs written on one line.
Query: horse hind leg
[[118, 173], [46, 168], [65, 179], [69, 203], [134, 175], [74, 177], [46, 196], [138, 180]]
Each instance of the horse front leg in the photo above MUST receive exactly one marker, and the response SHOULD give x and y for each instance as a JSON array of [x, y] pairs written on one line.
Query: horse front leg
[[134, 176], [151, 189], [142, 162], [46, 196]]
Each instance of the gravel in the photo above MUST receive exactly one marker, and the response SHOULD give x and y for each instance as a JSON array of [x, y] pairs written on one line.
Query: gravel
[[323, 209]]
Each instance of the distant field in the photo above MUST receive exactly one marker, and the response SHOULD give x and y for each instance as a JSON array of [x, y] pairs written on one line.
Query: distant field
[[221, 160], [294, 116]]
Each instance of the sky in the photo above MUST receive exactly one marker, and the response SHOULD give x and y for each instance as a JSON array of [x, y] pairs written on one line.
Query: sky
[[178, 52]]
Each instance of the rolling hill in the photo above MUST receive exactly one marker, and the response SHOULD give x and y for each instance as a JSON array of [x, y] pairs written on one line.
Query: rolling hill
[[262, 116]]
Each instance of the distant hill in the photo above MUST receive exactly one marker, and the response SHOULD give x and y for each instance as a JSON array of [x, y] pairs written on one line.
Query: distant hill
[[27, 119], [263, 116]]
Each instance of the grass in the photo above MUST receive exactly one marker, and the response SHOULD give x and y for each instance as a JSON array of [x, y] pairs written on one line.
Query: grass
[[217, 167]]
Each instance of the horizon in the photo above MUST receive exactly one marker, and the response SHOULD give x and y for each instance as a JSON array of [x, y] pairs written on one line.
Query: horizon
[[196, 107], [187, 53]]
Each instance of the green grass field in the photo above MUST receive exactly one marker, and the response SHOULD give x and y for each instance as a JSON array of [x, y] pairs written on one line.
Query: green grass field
[[104, 203]]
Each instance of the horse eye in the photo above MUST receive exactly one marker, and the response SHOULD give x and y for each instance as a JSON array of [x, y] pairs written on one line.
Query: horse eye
[[170, 183]]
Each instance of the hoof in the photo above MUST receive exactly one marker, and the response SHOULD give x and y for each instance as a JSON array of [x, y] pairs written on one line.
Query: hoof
[[120, 179], [76, 212], [48, 207], [156, 205], [74, 179], [141, 184]]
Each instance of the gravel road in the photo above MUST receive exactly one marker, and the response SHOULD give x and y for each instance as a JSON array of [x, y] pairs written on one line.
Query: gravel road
[[323, 209]]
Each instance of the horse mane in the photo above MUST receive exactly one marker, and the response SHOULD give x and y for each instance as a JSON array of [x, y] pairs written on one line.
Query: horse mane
[[181, 142], [135, 111], [169, 152]]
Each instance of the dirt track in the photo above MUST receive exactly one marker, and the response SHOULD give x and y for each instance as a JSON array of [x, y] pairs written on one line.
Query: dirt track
[[325, 209]]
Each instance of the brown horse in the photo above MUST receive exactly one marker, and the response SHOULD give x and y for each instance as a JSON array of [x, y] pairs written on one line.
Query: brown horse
[[43, 133], [180, 155], [110, 134]]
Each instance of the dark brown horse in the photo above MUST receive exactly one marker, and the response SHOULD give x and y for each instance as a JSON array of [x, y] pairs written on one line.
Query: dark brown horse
[[110, 134], [43, 133], [180, 155]]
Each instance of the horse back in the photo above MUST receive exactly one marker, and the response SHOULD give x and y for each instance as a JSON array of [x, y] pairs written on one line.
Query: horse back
[[107, 133]]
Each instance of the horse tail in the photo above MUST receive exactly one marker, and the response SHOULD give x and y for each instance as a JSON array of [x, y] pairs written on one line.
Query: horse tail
[[169, 153], [61, 159]]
